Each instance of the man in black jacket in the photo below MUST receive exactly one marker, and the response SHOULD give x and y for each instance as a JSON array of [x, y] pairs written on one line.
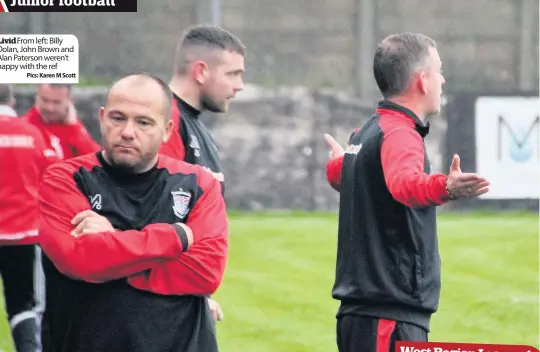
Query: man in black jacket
[[208, 68], [388, 265]]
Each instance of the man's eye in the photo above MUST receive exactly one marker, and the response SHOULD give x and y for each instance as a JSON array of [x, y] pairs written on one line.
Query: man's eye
[[144, 123]]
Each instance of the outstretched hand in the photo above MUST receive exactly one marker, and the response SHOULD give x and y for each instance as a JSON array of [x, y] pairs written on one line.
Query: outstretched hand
[[336, 150], [465, 185]]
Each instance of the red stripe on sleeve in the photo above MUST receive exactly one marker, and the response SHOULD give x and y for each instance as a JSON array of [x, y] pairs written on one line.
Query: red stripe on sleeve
[[333, 172], [402, 157]]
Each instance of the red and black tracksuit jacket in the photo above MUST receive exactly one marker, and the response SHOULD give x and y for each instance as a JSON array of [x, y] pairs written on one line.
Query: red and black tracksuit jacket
[[24, 156], [388, 263], [137, 288]]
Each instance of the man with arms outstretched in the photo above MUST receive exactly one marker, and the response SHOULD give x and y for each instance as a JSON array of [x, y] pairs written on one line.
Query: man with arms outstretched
[[388, 275]]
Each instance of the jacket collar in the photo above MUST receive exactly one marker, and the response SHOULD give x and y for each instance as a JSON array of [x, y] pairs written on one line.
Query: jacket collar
[[422, 129], [7, 111]]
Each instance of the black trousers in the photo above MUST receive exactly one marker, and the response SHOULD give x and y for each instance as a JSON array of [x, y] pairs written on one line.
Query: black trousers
[[367, 334], [18, 270]]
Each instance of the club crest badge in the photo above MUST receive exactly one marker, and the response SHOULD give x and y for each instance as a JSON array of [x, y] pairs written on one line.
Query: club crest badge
[[181, 201]]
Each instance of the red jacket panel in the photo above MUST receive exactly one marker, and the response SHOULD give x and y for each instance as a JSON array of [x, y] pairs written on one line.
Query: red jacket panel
[[403, 167], [24, 157], [333, 172], [68, 140], [174, 147]]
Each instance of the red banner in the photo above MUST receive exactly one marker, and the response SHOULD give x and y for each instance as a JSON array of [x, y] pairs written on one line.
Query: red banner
[[459, 347]]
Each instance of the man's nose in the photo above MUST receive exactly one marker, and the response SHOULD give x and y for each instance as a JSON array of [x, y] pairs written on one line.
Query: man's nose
[[240, 86], [128, 132]]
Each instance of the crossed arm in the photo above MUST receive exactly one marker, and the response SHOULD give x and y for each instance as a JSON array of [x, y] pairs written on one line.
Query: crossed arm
[[157, 258]]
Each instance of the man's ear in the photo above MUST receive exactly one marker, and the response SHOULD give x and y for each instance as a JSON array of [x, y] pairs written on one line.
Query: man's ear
[[101, 114], [200, 71], [101, 119], [169, 128], [421, 80]]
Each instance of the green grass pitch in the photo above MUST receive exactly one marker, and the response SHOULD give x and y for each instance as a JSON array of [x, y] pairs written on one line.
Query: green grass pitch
[[276, 293]]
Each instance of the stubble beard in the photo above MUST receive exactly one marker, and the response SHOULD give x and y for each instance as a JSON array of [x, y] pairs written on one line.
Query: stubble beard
[[134, 166], [211, 105]]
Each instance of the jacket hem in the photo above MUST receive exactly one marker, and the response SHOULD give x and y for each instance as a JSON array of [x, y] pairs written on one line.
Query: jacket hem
[[390, 311]]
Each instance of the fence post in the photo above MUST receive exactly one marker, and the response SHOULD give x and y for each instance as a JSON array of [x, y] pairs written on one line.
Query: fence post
[[37, 22], [528, 25], [209, 12], [365, 41]]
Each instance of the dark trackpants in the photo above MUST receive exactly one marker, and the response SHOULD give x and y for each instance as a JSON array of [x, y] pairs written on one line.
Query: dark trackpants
[[367, 334], [20, 267]]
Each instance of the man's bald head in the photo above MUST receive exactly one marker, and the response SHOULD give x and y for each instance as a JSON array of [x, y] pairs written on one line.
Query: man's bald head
[[135, 121], [146, 82]]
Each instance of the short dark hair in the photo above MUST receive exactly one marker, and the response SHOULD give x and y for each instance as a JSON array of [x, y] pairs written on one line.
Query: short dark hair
[[396, 58], [6, 94], [199, 40], [167, 93], [60, 85]]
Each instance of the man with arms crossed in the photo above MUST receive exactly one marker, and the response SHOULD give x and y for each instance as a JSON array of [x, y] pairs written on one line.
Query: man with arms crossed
[[136, 240], [208, 68], [388, 276]]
